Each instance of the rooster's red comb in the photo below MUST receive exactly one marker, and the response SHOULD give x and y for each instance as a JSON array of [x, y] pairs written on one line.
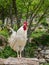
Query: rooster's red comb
[[25, 22]]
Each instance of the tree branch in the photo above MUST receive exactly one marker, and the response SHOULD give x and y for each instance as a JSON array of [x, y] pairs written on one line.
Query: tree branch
[[32, 17], [37, 23]]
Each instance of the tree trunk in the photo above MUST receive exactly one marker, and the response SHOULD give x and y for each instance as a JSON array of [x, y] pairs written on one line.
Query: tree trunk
[[16, 12], [19, 61]]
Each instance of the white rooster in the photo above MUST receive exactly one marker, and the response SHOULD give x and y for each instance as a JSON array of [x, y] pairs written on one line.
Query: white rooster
[[18, 39]]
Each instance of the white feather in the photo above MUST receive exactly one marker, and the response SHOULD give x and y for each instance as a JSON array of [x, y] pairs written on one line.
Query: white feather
[[18, 39]]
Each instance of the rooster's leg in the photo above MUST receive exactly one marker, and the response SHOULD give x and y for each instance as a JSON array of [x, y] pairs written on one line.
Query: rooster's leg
[[17, 54], [20, 54]]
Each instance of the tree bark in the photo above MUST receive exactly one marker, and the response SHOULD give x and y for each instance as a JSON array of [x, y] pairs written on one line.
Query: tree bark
[[19, 61]]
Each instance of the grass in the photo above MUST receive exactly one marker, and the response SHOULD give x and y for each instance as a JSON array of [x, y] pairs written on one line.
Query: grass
[[46, 64], [4, 33], [0, 22], [37, 34], [7, 52]]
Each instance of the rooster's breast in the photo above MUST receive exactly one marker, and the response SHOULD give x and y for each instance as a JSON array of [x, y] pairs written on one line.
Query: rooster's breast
[[21, 40]]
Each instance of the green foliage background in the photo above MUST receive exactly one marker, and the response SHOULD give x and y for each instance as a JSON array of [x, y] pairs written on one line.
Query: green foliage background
[[39, 37]]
